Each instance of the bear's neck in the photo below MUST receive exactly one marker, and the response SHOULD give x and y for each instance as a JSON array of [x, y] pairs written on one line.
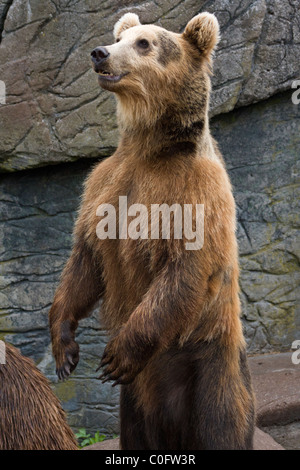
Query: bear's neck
[[172, 131]]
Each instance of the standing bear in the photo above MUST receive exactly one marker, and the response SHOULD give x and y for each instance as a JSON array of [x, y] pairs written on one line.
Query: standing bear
[[173, 312]]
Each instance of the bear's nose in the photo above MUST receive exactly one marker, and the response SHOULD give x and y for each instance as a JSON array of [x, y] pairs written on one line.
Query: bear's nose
[[99, 54]]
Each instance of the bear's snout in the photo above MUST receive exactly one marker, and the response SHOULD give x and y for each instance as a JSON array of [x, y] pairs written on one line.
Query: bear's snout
[[99, 55]]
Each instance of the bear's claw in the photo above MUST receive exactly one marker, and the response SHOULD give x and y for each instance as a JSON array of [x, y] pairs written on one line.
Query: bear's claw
[[63, 372], [119, 365], [69, 358]]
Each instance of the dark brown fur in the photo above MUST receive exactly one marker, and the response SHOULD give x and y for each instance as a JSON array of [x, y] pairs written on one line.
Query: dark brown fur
[[177, 345], [169, 49], [31, 417]]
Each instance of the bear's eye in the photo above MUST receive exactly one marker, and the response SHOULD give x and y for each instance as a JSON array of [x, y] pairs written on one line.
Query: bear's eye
[[143, 43]]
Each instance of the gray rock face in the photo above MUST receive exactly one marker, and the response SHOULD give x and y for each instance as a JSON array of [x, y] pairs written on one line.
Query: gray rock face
[[287, 435], [55, 110], [38, 208], [261, 146]]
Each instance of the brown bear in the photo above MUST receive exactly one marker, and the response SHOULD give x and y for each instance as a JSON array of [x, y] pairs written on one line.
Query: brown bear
[[31, 417], [177, 346]]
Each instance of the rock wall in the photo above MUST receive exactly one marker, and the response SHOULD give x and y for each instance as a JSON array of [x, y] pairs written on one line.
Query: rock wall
[[55, 114], [53, 94]]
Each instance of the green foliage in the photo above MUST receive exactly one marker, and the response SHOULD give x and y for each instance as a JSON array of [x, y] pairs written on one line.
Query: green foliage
[[85, 439]]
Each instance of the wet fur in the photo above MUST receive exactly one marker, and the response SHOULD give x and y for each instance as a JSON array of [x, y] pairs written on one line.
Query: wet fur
[[31, 417], [176, 345]]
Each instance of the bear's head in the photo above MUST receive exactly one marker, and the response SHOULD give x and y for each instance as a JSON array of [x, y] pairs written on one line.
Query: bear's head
[[152, 70]]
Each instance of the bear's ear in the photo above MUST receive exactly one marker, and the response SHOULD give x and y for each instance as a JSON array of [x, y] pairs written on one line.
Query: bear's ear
[[203, 31], [126, 21]]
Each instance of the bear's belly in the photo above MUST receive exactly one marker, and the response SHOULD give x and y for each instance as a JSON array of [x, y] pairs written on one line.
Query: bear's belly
[[127, 277]]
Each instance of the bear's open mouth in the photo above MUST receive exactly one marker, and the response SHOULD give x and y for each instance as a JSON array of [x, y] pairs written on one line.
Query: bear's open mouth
[[108, 76]]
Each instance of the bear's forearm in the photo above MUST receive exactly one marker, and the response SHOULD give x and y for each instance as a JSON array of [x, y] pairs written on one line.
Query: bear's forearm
[[80, 287], [170, 309]]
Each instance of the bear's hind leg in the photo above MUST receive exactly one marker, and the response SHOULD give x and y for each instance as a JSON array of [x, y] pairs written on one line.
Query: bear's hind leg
[[133, 435], [224, 415]]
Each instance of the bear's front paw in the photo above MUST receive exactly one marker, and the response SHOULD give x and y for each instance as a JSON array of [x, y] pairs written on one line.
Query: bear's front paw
[[119, 364], [67, 360], [65, 351]]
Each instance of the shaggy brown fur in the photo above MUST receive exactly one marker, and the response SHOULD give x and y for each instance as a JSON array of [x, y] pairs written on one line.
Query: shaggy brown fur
[[31, 417], [174, 315]]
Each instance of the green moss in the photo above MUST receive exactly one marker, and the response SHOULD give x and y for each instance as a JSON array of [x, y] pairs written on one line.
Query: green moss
[[6, 326], [66, 391], [283, 325]]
